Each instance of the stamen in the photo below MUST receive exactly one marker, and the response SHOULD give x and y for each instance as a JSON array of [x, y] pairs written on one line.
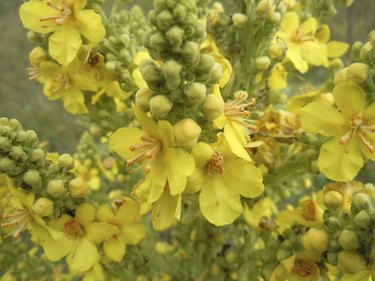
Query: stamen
[[368, 145], [216, 163], [33, 72], [20, 218]]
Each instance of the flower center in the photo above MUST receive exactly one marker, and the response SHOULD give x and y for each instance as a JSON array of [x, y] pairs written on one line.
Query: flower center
[[304, 268], [73, 228], [149, 148], [358, 127], [19, 219], [65, 13], [235, 111], [299, 37], [308, 210], [61, 82], [216, 163]]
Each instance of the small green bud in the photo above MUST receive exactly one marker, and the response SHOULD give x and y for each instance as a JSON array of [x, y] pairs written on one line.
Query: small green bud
[[336, 63], [179, 12], [361, 201], [78, 188], [5, 144], [142, 99], [33, 37], [56, 188], [37, 155], [276, 50], [365, 51], [37, 55], [67, 161], [17, 153], [32, 137], [216, 74], [213, 107], [195, 92], [333, 199], [190, 52], [341, 76], [351, 262], [175, 36], [206, 63], [276, 17], [239, 20], [164, 20], [43, 207], [150, 72], [15, 124], [357, 73], [171, 72], [266, 8], [332, 258], [315, 240], [186, 133], [21, 137], [263, 63], [7, 164], [32, 177], [332, 223], [348, 239], [160, 106], [362, 219]]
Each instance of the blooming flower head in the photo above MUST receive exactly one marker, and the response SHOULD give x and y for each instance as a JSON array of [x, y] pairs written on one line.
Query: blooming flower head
[[67, 20], [222, 177], [351, 127], [154, 149]]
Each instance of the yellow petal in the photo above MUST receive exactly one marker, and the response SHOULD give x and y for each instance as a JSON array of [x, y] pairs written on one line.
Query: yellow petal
[[128, 211], [236, 140], [320, 118], [114, 249], [158, 179], [219, 203], [74, 101], [278, 78], [314, 52], [164, 211], [90, 25], [337, 49], [350, 99], [309, 26], [369, 114], [340, 162], [290, 22], [85, 213], [105, 214], [83, 256], [64, 43], [97, 232], [121, 140], [56, 249], [294, 54], [77, 4], [133, 233], [147, 123], [323, 34], [31, 12]]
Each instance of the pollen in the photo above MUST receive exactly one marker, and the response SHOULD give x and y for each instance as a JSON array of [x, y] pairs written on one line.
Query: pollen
[[216, 163]]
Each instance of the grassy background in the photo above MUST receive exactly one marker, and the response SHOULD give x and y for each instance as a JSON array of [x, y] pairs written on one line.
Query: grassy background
[[23, 99]]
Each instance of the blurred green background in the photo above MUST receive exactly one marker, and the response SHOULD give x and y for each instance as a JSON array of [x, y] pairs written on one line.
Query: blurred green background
[[23, 99]]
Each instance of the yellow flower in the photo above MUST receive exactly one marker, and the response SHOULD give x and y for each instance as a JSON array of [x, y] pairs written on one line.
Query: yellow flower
[[259, 215], [154, 148], [222, 177], [80, 234], [67, 83], [88, 174], [278, 78], [68, 20], [346, 190], [351, 127], [130, 231]]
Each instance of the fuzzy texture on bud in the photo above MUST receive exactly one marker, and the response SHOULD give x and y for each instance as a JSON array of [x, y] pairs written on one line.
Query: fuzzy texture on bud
[[341, 76], [56, 188], [32, 178], [43, 207], [213, 107], [171, 72], [357, 73], [333, 199], [348, 239], [351, 262], [78, 188], [239, 20], [195, 92], [67, 161], [142, 99], [186, 133], [160, 106], [263, 62], [315, 240], [365, 51], [362, 219]]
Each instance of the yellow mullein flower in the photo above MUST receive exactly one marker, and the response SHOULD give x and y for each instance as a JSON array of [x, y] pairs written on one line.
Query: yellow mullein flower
[[299, 267], [278, 78], [222, 177], [80, 234], [303, 46], [36, 57], [309, 212], [125, 219], [95, 273], [334, 49], [351, 127], [235, 123], [154, 148], [88, 174], [67, 83], [258, 215], [67, 20]]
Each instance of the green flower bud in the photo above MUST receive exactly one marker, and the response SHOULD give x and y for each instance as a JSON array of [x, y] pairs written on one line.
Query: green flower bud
[[351, 262], [341, 76], [266, 8], [43, 207], [175, 36], [142, 99], [159, 5], [37, 55], [276, 18], [315, 240], [37, 155], [32, 137], [362, 220], [78, 188], [263, 62], [164, 20], [361, 201], [213, 107], [67, 161], [150, 73], [171, 72], [17, 153], [332, 223], [365, 51], [5, 144], [158, 42], [180, 12], [348, 239], [357, 73], [332, 258], [336, 63], [15, 124], [206, 63], [190, 52], [239, 20], [275, 51], [160, 106], [333, 199], [7, 164], [56, 188], [32, 177], [195, 92], [186, 133], [215, 75]]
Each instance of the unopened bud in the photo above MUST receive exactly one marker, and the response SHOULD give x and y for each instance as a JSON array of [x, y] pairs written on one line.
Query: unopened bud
[[17, 153], [37, 55], [239, 20], [32, 177], [341, 76], [142, 99], [171, 72], [362, 219], [7, 164], [206, 62], [213, 107], [158, 42], [78, 188], [263, 63], [215, 75], [266, 8], [186, 132], [357, 73], [351, 262], [365, 51], [56, 188], [67, 161], [348, 239], [160, 106], [195, 92], [175, 35], [315, 240], [43, 207], [333, 199], [37, 154], [361, 201], [275, 51], [190, 52]]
